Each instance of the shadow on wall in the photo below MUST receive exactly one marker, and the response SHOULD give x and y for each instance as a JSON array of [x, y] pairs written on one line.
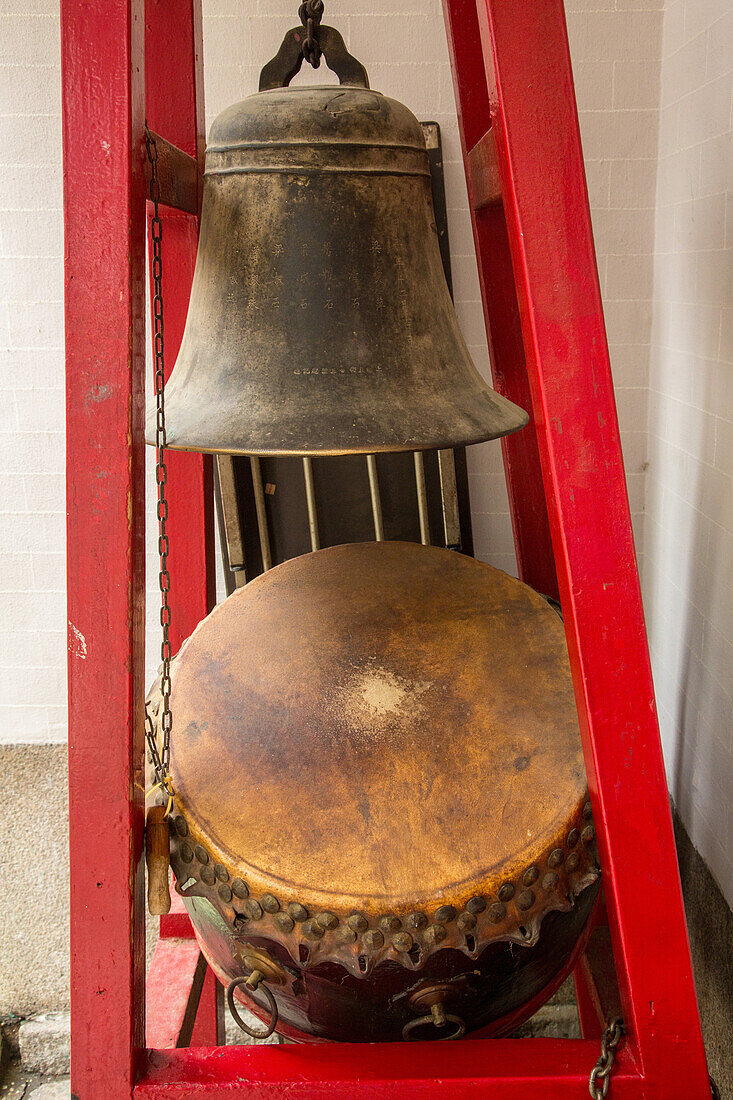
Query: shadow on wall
[[689, 554]]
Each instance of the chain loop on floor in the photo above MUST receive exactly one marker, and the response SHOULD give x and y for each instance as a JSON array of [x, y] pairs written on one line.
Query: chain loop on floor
[[160, 752], [600, 1075]]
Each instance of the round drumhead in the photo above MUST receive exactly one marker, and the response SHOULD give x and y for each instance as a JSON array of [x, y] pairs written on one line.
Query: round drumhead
[[373, 726]]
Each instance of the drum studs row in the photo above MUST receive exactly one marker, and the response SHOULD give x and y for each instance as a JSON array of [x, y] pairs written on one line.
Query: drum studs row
[[235, 892]]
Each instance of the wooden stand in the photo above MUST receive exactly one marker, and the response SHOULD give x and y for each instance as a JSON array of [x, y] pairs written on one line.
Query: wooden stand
[[572, 530]]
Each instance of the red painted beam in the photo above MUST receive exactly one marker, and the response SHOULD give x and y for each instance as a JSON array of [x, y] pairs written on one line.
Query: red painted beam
[[532, 111], [504, 1069], [527, 505], [176, 924], [173, 987], [174, 107], [174, 104], [104, 256], [208, 1028]]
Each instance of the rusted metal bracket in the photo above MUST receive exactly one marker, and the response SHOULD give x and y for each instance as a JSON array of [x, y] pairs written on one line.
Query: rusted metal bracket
[[483, 172], [179, 176]]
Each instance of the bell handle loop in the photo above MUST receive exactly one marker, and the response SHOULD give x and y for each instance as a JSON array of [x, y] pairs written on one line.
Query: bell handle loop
[[287, 61], [271, 1005]]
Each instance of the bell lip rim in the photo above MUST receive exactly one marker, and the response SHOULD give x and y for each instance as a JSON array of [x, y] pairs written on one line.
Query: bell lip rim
[[440, 444]]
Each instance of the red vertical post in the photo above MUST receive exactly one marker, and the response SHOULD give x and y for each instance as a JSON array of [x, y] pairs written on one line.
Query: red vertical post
[[174, 96], [528, 509], [174, 89], [534, 119], [208, 1031], [104, 213]]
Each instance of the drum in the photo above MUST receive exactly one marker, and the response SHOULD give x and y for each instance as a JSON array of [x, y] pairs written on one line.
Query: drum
[[381, 826]]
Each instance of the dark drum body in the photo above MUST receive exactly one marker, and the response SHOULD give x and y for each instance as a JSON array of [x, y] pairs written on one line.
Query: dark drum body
[[382, 828], [493, 993]]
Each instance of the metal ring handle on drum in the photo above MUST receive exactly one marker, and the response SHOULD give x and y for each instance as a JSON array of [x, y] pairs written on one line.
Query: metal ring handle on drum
[[271, 1004], [438, 1022]]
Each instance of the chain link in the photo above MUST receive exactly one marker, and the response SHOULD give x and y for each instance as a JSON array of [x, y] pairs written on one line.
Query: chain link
[[310, 13], [600, 1075], [160, 753]]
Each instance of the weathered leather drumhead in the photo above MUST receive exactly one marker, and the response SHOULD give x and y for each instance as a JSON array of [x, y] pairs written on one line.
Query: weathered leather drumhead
[[376, 726]]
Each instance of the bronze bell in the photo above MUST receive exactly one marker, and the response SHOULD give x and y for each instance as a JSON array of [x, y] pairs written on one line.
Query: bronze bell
[[320, 320]]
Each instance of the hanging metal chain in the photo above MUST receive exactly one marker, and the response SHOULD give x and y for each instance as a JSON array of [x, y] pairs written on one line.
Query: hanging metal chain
[[600, 1075], [310, 13], [160, 753]]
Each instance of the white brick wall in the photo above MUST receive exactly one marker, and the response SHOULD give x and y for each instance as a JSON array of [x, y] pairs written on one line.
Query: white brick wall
[[32, 559], [688, 576]]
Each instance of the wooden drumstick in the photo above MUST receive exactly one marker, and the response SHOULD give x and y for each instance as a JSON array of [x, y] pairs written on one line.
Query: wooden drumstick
[[157, 858]]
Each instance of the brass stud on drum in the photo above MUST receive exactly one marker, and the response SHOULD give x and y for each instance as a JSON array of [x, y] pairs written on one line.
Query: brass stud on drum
[[285, 922], [416, 920], [402, 942], [525, 900], [531, 875], [476, 904]]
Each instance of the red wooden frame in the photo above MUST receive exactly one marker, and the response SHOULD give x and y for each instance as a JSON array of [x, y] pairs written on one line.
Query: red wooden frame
[[572, 532]]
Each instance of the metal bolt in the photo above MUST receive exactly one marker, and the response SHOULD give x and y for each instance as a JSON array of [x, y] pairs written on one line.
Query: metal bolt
[[550, 881], [390, 923], [572, 838], [466, 922], [555, 858], [186, 853], [403, 941], [225, 892], [573, 862], [327, 920], [269, 903], [313, 930], [239, 888], [201, 854], [435, 933], [358, 922], [416, 920], [477, 904], [496, 913], [284, 922], [297, 912], [373, 939], [526, 899], [445, 913], [531, 875], [253, 909], [208, 876], [506, 891], [221, 872]]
